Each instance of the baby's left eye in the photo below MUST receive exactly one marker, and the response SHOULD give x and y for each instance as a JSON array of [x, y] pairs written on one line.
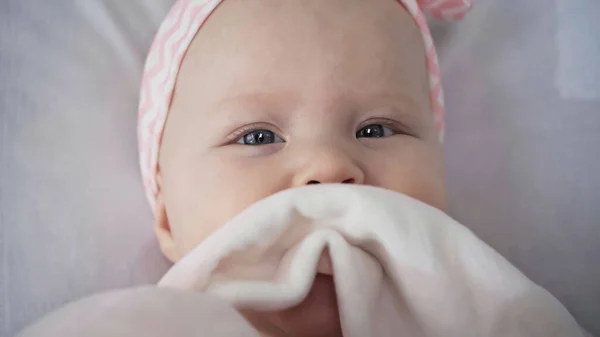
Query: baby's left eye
[[374, 131]]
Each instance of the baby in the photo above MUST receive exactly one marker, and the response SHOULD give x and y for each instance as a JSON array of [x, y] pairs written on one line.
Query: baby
[[242, 99]]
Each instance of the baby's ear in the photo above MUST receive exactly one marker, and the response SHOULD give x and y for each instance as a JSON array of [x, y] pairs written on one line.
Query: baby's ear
[[162, 228]]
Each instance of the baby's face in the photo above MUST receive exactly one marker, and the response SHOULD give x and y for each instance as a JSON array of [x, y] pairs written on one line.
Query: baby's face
[[275, 94]]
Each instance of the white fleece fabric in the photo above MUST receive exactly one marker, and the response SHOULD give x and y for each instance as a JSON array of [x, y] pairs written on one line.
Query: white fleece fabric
[[400, 267]]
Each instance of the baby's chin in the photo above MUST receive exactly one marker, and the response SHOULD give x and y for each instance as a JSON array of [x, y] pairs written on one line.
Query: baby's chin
[[316, 316]]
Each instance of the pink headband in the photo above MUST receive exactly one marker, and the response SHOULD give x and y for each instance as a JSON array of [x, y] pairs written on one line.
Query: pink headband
[[177, 32]]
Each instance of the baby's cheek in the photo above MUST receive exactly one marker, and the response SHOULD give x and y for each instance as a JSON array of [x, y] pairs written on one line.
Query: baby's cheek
[[418, 172], [213, 209], [216, 193]]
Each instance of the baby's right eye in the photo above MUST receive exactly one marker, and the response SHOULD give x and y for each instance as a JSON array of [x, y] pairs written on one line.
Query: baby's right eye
[[260, 137]]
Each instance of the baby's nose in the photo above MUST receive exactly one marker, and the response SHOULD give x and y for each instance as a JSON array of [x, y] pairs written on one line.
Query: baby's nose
[[347, 181], [328, 166]]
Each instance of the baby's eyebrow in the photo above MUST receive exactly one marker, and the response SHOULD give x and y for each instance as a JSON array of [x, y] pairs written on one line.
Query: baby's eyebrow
[[290, 98], [239, 108], [271, 100], [397, 98], [242, 105]]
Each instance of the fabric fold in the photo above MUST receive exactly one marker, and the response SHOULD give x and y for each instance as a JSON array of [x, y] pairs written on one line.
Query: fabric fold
[[400, 267]]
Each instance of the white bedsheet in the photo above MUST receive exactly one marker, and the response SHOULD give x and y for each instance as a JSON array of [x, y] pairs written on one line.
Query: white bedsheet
[[522, 146]]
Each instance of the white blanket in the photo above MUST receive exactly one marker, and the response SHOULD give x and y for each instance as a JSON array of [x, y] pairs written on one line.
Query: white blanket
[[401, 268]]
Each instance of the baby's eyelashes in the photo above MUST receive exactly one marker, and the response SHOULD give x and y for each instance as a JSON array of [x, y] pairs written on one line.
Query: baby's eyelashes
[[265, 136], [256, 134], [260, 137], [374, 131]]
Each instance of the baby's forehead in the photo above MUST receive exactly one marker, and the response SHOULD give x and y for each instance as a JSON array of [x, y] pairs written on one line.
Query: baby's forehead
[[252, 26], [301, 50]]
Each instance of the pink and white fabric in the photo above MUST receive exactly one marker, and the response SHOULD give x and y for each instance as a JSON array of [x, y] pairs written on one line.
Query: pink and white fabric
[[180, 27]]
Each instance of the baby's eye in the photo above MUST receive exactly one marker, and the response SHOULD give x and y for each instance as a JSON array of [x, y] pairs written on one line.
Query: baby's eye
[[374, 131], [260, 137]]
